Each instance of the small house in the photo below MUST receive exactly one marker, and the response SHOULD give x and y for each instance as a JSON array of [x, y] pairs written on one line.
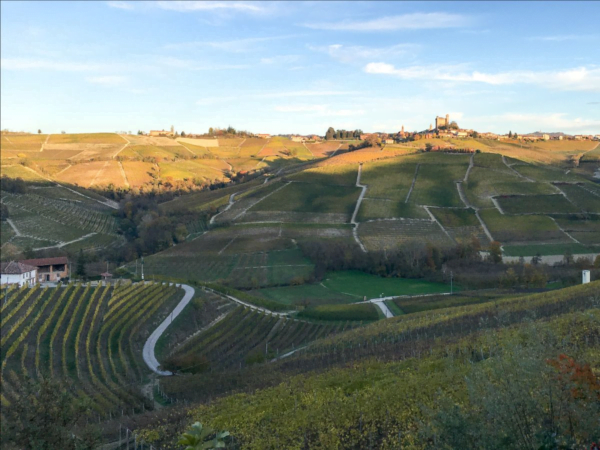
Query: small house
[[15, 272]]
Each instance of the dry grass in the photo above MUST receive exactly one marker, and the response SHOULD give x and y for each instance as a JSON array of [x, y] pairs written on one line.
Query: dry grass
[[200, 142], [137, 172], [86, 138]]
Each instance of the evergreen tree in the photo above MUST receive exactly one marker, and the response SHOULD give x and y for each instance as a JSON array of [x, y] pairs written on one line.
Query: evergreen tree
[[80, 269], [330, 133], [510, 134]]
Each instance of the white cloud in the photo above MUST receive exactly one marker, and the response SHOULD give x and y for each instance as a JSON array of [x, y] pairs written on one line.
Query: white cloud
[[320, 110], [120, 5], [415, 21], [235, 45], [190, 64], [29, 64], [188, 6], [281, 59], [352, 53], [576, 79], [108, 80], [541, 122], [563, 37]]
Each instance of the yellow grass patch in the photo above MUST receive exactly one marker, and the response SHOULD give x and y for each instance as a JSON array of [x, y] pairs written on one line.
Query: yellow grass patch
[[200, 142], [137, 172], [87, 138]]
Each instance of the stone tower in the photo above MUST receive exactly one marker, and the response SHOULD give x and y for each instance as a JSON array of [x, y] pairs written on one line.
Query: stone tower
[[447, 120]]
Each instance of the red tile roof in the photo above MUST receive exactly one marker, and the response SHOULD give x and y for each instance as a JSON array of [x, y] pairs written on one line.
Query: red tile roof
[[15, 268], [46, 261]]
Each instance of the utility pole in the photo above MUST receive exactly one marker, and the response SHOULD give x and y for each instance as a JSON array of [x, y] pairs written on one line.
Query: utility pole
[[142, 268], [451, 279]]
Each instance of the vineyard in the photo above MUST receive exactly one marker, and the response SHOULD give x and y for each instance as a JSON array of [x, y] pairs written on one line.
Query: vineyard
[[90, 335], [57, 217], [380, 383], [246, 337]]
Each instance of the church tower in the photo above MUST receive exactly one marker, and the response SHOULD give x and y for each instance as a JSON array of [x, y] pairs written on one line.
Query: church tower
[[447, 120]]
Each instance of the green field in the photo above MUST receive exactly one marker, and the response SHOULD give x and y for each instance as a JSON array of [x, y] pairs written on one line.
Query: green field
[[361, 285], [550, 249]]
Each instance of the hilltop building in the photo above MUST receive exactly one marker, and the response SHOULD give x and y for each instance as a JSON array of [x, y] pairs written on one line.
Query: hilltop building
[[442, 122], [264, 136], [15, 272], [50, 269]]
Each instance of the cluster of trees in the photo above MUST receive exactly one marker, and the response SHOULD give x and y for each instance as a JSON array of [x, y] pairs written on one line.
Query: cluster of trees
[[410, 261], [342, 134], [13, 185], [452, 126], [229, 131]]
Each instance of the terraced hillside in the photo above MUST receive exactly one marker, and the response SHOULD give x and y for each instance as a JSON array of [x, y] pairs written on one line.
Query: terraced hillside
[[398, 382], [57, 217], [382, 201], [91, 336], [113, 161]]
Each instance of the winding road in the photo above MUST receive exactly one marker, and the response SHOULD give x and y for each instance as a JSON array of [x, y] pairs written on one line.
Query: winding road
[[148, 352]]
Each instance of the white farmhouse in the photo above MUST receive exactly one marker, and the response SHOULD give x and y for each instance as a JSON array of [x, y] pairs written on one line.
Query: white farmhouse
[[14, 272]]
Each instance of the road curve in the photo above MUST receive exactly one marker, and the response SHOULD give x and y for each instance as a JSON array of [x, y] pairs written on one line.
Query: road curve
[[148, 352]]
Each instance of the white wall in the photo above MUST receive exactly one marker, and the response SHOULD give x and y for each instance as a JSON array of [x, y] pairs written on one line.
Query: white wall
[[21, 279]]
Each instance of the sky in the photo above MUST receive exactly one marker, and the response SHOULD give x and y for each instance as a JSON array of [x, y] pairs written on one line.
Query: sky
[[299, 67]]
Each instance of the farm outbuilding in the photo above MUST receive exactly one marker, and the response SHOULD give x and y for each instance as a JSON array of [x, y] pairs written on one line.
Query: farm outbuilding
[[50, 269]]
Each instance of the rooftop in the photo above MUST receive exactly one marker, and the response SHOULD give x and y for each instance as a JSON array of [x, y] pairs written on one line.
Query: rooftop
[[46, 261], [15, 268]]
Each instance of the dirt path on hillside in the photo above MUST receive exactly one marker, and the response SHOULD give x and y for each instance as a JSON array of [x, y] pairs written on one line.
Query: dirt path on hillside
[[244, 211], [12, 225], [62, 244], [433, 218], [122, 148], [516, 172], [125, 180], [357, 207], [561, 229], [413, 183], [229, 205], [471, 164], [98, 173], [497, 205], [248, 305], [44, 143], [335, 151], [180, 143]]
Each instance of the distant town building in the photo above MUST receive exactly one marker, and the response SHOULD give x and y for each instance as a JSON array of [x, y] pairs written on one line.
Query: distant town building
[[298, 138], [15, 272], [546, 137], [50, 269], [264, 136]]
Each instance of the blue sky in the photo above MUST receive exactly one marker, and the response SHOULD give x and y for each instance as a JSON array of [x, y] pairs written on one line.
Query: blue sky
[[299, 67]]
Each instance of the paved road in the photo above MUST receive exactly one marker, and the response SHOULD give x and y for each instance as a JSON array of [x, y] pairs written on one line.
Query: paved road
[[383, 307], [148, 352]]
